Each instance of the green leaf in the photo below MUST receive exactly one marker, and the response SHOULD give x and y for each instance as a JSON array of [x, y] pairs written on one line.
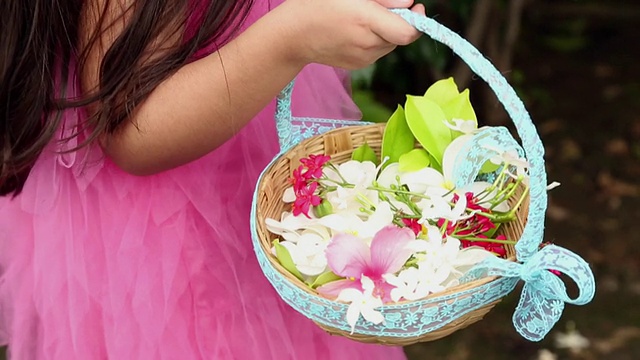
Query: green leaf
[[283, 256], [492, 232], [364, 152], [414, 160], [489, 167], [442, 91], [426, 121], [460, 108], [324, 278], [397, 139]]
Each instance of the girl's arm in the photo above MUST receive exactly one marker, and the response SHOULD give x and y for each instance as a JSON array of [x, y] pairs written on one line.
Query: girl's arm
[[206, 102]]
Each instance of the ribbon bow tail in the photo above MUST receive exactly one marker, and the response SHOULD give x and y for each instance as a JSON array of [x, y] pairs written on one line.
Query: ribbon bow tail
[[544, 294], [536, 314]]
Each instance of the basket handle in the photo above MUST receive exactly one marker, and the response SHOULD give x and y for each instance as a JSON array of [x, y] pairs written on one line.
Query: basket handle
[[289, 134], [543, 295]]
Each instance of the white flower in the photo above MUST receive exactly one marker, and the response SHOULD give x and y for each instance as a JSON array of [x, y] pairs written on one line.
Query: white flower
[[289, 226], [353, 224], [308, 253], [480, 187], [440, 265], [463, 126], [362, 303], [437, 207], [416, 283], [510, 158], [359, 174]]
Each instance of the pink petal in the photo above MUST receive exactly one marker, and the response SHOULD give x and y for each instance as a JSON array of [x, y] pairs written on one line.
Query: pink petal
[[332, 290], [383, 290], [389, 250], [348, 256]]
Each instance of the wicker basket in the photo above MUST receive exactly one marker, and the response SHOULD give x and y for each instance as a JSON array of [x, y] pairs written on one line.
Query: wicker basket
[[443, 313], [340, 143]]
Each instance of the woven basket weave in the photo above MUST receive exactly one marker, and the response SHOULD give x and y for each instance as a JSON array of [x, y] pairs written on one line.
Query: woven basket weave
[[340, 143], [543, 294]]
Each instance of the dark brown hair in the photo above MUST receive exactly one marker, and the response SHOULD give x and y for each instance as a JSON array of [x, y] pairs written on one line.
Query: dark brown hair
[[39, 40]]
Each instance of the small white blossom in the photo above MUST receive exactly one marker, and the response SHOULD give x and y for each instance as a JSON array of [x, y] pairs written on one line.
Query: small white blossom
[[463, 126], [362, 303]]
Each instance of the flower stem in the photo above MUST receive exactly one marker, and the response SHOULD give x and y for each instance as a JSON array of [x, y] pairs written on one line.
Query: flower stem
[[505, 242]]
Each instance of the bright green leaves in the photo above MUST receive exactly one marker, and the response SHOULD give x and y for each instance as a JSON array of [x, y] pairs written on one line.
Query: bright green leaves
[[427, 123], [324, 278], [454, 104], [425, 119], [364, 153], [283, 256], [460, 108], [397, 139], [414, 160], [442, 91]]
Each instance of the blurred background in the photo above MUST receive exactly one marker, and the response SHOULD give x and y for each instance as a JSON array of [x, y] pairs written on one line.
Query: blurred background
[[575, 64]]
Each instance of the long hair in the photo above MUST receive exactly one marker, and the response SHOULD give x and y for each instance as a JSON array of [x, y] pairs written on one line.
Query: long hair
[[39, 39]]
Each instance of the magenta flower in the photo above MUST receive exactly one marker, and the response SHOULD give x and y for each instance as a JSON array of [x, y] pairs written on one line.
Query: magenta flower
[[314, 164], [299, 179], [305, 199], [351, 257]]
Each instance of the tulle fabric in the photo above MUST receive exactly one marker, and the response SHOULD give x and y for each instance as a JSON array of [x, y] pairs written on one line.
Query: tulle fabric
[[98, 264]]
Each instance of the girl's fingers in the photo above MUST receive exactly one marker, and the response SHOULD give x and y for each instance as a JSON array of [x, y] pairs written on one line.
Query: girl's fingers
[[392, 28], [419, 8]]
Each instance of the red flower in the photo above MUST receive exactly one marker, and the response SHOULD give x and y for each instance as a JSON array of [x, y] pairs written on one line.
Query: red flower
[[305, 198], [413, 225], [314, 164], [299, 179], [496, 248]]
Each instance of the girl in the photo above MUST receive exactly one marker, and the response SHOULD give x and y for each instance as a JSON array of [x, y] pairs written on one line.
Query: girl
[[132, 136]]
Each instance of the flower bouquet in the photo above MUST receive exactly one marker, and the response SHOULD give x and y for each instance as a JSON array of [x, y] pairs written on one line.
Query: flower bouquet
[[408, 231], [393, 227]]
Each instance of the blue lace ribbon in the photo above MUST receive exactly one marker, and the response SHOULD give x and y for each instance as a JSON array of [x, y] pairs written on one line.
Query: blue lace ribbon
[[544, 294]]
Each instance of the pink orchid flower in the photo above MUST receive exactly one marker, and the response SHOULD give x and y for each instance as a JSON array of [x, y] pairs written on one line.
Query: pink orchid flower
[[351, 257]]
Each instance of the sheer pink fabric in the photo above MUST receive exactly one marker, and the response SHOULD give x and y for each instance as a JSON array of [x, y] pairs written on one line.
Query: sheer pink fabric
[[98, 264]]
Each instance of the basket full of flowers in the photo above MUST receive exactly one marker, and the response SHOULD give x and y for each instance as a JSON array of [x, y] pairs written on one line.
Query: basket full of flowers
[[407, 231]]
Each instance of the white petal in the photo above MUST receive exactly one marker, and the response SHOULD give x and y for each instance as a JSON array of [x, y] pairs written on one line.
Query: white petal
[[353, 314], [451, 153], [367, 285], [349, 295], [372, 315], [310, 269], [382, 217], [419, 181], [289, 195], [339, 222], [388, 175], [470, 256], [418, 246], [553, 185]]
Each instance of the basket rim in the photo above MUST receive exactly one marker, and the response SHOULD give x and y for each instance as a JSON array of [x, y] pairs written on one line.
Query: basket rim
[[431, 298]]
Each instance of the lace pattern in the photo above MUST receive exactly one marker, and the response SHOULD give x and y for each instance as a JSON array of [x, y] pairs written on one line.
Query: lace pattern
[[543, 296]]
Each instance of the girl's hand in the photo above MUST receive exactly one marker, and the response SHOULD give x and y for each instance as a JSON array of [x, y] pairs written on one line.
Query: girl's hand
[[347, 34]]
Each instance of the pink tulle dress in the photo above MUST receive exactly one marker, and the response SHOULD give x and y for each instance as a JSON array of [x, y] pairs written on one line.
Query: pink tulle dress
[[99, 264]]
